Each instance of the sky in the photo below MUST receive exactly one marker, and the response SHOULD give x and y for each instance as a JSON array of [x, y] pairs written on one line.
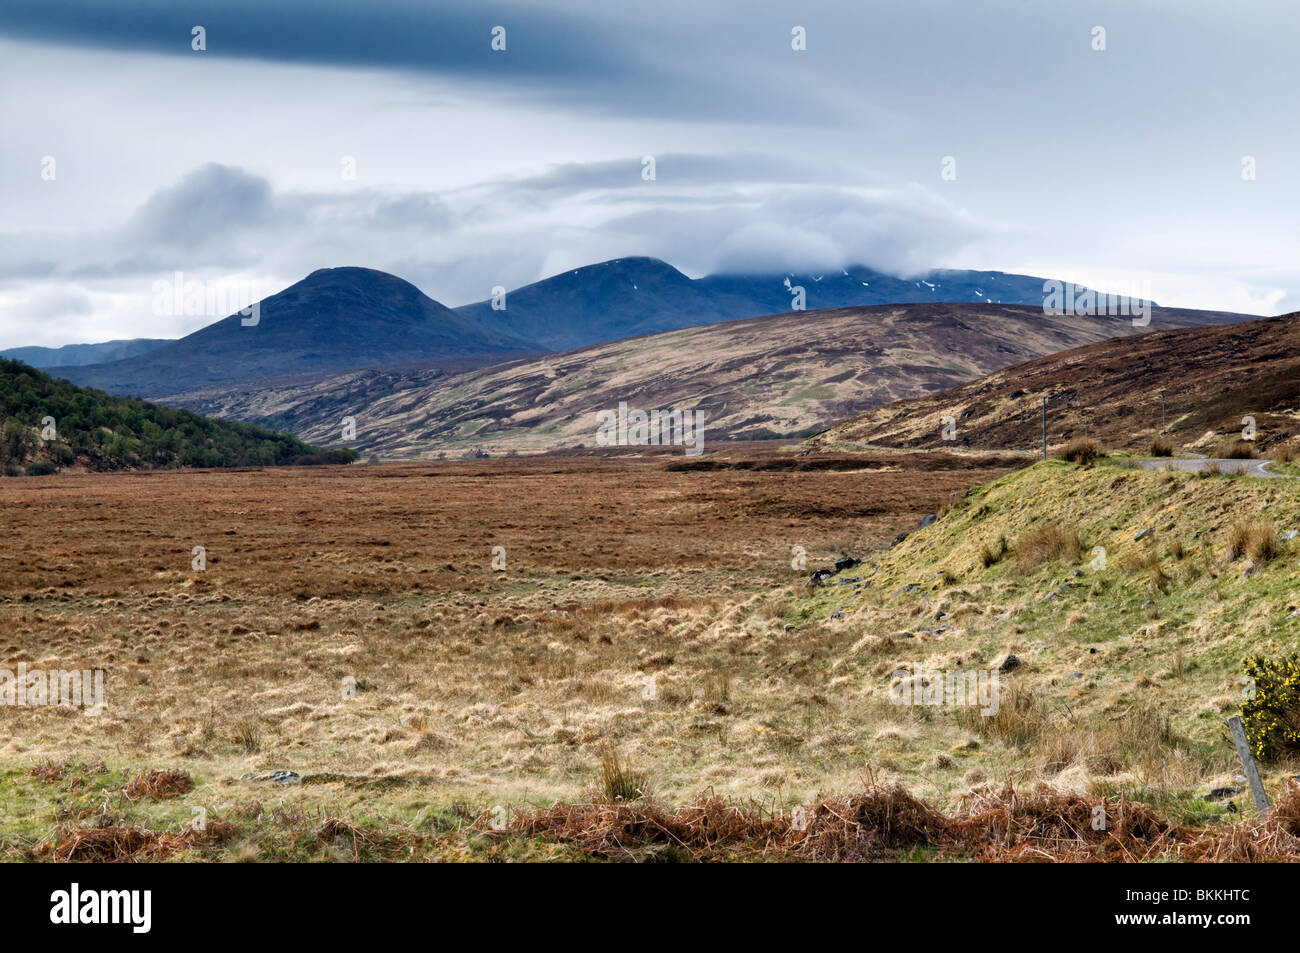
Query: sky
[[1129, 147]]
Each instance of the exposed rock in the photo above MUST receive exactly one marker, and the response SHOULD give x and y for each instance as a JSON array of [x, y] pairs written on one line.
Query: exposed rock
[[927, 520], [277, 777], [1143, 535], [846, 562], [1057, 591], [1010, 664], [1222, 794]]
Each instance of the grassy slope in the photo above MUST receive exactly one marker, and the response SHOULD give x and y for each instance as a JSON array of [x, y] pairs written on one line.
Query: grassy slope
[[1136, 650]]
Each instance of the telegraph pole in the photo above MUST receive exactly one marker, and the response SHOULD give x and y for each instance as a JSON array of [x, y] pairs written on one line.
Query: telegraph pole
[[1044, 426]]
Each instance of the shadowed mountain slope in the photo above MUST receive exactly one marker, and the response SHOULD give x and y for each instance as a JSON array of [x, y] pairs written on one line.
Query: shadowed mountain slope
[[1195, 385], [334, 319]]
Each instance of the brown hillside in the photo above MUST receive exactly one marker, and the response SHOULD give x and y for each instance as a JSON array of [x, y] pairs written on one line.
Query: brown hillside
[[781, 375], [1210, 378]]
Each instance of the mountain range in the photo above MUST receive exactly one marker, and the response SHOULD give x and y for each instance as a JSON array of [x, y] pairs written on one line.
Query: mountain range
[[629, 297], [346, 319], [774, 376], [421, 378], [75, 355]]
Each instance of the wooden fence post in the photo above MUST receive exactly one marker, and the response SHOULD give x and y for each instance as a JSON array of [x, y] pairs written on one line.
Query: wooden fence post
[[1248, 763]]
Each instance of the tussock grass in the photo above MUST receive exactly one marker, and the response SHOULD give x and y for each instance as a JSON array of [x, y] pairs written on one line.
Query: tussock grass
[[993, 553], [1019, 720], [1106, 747], [1255, 538], [505, 687], [1080, 450], [1049, 542], [1148, 561], [1237, 449], [619, 781], [246, 735], [1161, 447]]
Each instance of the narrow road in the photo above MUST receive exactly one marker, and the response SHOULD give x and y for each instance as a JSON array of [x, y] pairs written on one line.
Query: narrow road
[[1255, 468]]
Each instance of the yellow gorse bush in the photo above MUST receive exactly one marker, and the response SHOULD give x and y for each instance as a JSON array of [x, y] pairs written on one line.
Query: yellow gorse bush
[[1271, 712]]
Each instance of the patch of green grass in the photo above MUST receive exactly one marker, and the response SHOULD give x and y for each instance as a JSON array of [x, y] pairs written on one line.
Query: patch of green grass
[[1101, 635]]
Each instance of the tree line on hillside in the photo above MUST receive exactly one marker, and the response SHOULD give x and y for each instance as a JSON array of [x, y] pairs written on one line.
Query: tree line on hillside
[[50, 423]]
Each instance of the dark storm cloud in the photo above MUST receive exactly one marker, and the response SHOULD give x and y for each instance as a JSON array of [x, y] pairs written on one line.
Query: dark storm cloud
[[685, 64], [434, 37]]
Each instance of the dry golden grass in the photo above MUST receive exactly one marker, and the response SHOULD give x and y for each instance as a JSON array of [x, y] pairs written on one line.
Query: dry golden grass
[[350, 627], [1049, 542], [1161, 447], [1236, 450], [992, 553], [1255, 538], [1080, 450], [621, 576], [1148, 561], [1020, 719], [619, 781]]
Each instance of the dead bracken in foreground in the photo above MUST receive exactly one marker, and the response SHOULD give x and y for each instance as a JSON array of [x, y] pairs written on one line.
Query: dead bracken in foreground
[[155, 783], [111, 843], [884, 822]]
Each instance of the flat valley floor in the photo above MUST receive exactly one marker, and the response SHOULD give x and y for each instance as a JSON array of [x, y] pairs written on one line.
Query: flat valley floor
[[621, 658], [349, 625]]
